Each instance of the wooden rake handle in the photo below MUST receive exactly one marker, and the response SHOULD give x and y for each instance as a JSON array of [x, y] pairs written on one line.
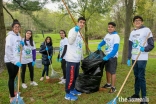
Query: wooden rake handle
[[19, 71], [132, 66], [75, 24]]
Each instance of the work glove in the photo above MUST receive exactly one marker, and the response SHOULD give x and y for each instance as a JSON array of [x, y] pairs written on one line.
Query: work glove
[[142, 49], [33, 63], [77, 28], [49, 57], [22, 43], [18, 64], [128, 62], [105, 58]]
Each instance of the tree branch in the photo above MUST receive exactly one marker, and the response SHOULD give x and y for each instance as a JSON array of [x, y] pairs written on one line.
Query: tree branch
[[8, 12]]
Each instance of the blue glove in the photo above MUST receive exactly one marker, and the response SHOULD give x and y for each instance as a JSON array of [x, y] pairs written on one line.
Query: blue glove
[[60, 59], [77, 28], [22, 43], [142, 49], [99, 47], [46, 48], [129, 62], [105, 58], [33, 63], [49, 57], [18, 64]]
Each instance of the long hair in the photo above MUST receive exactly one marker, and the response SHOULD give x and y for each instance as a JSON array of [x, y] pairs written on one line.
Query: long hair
[[50, 43], [30, 39]]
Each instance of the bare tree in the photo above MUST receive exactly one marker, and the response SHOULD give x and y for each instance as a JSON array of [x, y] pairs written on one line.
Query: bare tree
[[128, 22], [2, 37]]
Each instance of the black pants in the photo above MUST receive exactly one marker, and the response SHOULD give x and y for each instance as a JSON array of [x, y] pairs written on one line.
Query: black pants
[[12, 71], [31, 70], [63, 66], [46, 69]]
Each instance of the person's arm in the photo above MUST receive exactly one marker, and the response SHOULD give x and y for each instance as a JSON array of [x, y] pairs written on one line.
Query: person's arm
[[114, 51], [102, 43], [73, 34], [150, 45], [64, 51], [130, 49], [34, 54], [43, 49]]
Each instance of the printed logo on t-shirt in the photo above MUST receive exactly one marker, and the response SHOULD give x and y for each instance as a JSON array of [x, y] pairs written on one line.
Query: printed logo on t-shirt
[[108, 46], [17, 49], [136, 44], [27, 53]]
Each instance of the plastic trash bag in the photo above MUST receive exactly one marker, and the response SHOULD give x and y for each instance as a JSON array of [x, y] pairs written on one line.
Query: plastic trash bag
[[92, 61], [92, 67]]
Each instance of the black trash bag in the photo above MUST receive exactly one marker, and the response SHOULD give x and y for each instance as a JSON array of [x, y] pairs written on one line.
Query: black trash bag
[[91, 62], [87, 83]]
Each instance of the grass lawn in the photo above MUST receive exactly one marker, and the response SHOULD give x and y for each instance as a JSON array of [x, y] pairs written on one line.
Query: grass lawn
[[53, 93]]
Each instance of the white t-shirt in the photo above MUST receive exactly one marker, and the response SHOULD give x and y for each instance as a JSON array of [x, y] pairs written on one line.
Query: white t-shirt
[[63, 42], [12, 48], [110, 40], [74, 51], [138, 37], [27, 53]]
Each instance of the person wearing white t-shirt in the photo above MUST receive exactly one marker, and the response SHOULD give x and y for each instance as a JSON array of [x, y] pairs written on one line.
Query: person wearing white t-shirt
[[12, 55], [111, 42], [136, 39], [62, 55], [28, 58], [73, 58]]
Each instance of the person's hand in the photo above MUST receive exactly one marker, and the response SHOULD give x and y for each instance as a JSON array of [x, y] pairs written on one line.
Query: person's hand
[[99, 47], [46, 48], [18, 64], [49, 57], [105, 58], [22, 43], [128, 62], [33, 63], [60, 59], [77, 28], [142, 49]]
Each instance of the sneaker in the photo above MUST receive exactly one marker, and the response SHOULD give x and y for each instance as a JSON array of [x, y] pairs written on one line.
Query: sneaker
[[106, 86], [41, 79], [133, 96], [112, 90], [24, 85], [47, 77], [60, 78], [63, 81], [33, 83], [70, 97], [75, 92]]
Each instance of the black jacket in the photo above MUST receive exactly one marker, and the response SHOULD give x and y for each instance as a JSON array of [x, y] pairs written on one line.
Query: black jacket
[[45, 60]]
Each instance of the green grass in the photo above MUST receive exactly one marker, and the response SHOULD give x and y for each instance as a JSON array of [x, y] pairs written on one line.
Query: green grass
[[53, 93]]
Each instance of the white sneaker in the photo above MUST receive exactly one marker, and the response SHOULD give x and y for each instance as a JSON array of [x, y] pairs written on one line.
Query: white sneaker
[[60, 78], [33, 83], [24, 85], [41, 79], [47, 77], [63, 81]]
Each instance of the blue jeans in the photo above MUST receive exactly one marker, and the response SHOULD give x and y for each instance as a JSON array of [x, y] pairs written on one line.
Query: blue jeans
[[72, 72], [46, 69], [139, 72]]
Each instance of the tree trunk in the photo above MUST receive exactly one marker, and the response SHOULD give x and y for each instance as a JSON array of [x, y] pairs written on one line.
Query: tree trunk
[[129, 11], [2, 37], [86, 39]]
